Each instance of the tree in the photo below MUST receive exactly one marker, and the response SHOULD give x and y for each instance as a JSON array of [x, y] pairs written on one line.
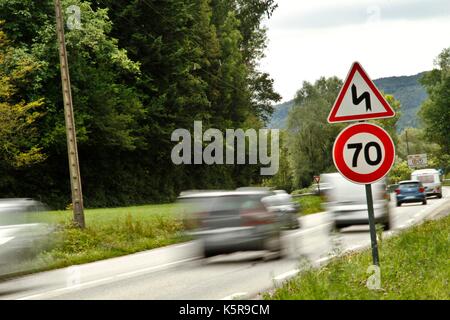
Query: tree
[[139, 70], [283, 178], [414, 140], [435, 111], [310, 137], [18, 135], [390, 124], [107, 111], [400, 171], [249, 15]]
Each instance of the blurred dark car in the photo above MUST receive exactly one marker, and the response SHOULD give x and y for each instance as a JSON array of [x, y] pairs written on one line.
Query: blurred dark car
[[410, 191], [22, 235], [232, 221]]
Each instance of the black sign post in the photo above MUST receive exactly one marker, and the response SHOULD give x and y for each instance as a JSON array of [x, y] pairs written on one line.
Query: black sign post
[[317, 179], [373, 231]]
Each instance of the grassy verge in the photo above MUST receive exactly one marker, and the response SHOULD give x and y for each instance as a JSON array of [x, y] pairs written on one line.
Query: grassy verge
[[414, 265], [109, 233], [310, 204]]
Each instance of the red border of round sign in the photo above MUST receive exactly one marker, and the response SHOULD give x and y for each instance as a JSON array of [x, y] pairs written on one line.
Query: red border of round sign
[[345, 135]]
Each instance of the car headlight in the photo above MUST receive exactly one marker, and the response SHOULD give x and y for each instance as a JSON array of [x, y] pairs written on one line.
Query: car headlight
[[4, 240]]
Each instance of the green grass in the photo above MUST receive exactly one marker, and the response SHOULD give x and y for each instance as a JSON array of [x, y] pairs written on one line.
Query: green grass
[[414, 265], [310, 204], [108, 233], [95, 217]]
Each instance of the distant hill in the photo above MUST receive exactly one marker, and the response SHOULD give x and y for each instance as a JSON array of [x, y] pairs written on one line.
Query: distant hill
[[280, 113], [406, 89]]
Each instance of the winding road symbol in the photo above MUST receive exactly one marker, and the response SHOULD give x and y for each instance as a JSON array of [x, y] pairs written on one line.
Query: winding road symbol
[[359, 91], [364, 97]]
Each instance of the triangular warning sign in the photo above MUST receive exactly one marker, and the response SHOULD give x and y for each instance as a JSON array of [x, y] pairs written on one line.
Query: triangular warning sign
[[359, 99]]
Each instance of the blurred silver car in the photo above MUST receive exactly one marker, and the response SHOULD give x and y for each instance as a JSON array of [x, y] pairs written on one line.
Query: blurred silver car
[[347, 203], [231, 221], [284, 207], [21, 234]]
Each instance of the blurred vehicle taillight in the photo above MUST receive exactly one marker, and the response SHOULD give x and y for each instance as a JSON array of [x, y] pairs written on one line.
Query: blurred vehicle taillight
[[256, 217], [397, 191], [202, 217], [421, 189]]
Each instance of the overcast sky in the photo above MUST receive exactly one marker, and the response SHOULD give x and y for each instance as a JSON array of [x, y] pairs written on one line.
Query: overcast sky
[[309, 39]]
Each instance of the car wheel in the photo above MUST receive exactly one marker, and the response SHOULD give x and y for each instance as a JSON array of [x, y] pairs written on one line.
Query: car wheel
[[207, 252], [424, 202], [439, 195], [387, 226], [274, 248], [274, 255], [273, 244], [295, 223], [399, 204], [336, 228]]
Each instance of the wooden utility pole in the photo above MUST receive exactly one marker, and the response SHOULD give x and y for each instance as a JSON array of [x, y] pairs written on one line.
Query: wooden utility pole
[[74, 168], [407, 142]]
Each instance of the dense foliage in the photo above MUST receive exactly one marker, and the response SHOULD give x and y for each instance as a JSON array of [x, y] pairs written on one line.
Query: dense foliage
[[139, 70], [435, 111], [311, 137]]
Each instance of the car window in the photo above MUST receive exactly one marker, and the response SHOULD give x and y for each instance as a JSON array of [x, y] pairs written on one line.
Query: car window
[[409, 185], [252, 204], [426, 178]]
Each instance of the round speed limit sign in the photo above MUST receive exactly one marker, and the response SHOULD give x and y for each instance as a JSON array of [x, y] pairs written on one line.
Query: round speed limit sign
[[363, 153]]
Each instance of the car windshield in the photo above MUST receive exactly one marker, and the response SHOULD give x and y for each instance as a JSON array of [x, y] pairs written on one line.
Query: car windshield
[[426, 178], [409, 185], [236, 203], [278, 200], [220, 204]]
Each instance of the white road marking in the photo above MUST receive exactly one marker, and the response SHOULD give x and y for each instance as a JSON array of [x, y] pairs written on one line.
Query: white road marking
[[324, 259], [89, 283], [355, 247], [286, 275], [235, 296], [309, 229]]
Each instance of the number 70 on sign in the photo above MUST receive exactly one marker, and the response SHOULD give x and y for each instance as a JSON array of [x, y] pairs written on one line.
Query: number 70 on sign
[[363, 153]]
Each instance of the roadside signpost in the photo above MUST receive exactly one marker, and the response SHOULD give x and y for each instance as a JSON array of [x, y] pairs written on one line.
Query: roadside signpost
[[417, 160], [363, 152], [359, 99], [317, 180]]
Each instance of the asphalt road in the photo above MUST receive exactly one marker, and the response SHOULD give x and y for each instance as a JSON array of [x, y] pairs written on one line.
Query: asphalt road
[[175, 272]]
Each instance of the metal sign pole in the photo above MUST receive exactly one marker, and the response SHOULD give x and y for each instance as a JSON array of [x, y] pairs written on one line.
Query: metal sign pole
[[373, 231]]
